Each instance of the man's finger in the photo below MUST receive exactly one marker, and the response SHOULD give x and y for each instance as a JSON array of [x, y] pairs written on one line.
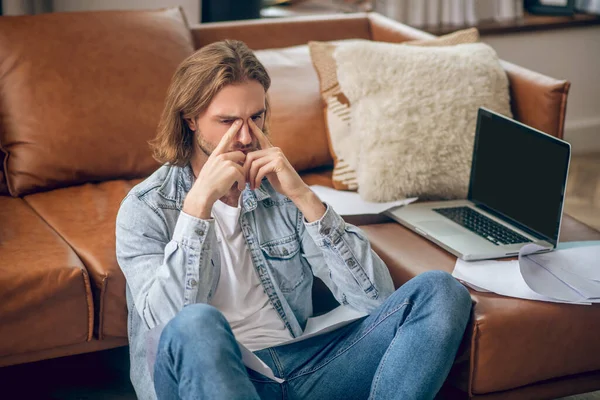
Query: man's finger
[[263, 171], [228, 137], [262, 139], [235, 156], [239, 175], [255, 167], [254, 156]]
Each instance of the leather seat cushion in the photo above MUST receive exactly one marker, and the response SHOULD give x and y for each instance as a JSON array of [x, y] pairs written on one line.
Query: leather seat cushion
[[512, 342], [45, 295], [84, 216]]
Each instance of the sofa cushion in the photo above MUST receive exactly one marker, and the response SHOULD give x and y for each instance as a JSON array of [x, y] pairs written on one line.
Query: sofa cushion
[[337, 107], [81, 93], [45, 295], [415, 112], [512, 342], [319, 176], [297, 124], [84, 216]]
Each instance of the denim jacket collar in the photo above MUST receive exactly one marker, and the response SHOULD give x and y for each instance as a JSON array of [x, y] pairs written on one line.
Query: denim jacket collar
[[180, 180], [251, 197]]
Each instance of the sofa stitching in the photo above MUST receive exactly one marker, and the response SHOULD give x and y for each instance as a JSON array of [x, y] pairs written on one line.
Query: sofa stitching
[[90, 304], [563, 109], [472, 372], [101, 308]]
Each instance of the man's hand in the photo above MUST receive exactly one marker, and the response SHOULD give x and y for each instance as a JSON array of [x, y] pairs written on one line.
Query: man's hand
[[272, 163], [217, 176]]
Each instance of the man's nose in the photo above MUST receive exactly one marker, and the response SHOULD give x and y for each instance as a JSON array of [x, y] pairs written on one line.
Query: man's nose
[[244, 135]]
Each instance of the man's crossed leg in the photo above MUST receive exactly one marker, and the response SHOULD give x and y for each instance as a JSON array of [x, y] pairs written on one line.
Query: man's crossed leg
[[403, 350]]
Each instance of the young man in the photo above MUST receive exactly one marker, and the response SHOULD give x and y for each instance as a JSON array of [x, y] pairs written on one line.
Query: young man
[[222, 242]]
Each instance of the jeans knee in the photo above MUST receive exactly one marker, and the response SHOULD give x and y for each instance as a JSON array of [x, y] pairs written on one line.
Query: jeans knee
[[195, 321], [451, 298]]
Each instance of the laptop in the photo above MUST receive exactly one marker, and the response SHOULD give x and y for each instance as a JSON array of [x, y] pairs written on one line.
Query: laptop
[[516, 194]]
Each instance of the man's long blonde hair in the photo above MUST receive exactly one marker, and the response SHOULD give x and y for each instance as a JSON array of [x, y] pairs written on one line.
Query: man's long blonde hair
[[194, 85]]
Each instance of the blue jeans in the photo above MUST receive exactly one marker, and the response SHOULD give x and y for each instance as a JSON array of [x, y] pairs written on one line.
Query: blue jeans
[[403, 350]]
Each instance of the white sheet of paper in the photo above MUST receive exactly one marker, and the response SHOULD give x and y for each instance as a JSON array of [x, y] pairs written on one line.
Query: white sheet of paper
[[475, 287], [543, 282], [328, 322], [583, 261], [501, 277], [334, 319], [576, 269], [564, 276], [251, 361], [350, 203]]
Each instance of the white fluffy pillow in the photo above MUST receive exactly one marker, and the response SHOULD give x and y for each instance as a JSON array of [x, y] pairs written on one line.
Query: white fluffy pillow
[[414, 112]]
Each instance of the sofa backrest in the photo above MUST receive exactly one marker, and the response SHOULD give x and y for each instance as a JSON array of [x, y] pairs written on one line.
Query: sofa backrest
[[81, 94], [297, 122], [78, 150]]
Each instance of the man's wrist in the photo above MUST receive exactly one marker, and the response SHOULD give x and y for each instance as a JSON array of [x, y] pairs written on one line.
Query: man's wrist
[[199, 208], [310, 205]]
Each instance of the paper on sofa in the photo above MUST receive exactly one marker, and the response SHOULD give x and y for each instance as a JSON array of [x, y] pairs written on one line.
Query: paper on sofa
[[562, 276], [350, 203]]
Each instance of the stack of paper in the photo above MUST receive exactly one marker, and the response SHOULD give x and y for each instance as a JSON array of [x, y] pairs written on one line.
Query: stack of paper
[[565, 276]]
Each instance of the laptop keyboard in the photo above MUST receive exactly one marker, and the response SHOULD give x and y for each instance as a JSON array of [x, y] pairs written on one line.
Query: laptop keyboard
[[482, 225]]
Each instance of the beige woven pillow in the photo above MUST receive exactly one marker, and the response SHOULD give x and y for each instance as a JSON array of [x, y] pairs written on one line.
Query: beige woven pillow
[[415, 122], [337, 110]]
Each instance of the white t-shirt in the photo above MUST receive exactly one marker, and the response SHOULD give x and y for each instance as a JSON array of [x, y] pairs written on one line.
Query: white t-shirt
[[240, 296]]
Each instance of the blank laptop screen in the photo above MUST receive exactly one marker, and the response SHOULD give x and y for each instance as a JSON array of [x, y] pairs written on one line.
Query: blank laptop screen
[[519, 173]]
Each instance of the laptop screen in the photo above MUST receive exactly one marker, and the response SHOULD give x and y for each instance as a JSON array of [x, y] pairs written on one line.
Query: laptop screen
[[519, 173]]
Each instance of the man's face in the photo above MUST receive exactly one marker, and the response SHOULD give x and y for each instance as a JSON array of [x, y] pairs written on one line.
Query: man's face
[[242, 101]]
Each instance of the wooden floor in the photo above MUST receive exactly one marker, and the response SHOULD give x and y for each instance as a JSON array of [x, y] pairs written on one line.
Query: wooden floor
[[583, 189]]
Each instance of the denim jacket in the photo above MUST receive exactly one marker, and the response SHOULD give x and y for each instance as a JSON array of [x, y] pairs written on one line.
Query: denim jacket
[[171, 259]]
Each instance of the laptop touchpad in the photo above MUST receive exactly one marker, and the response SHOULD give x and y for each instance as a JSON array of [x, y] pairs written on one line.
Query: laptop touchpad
[[440, 228]]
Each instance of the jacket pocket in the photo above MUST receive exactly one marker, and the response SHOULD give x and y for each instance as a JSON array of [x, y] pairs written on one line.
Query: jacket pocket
[[283, 257]]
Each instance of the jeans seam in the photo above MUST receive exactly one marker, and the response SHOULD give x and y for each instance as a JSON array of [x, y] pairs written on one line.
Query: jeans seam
[[339, 353], [376, 378], [276, 362], [268, 380], [377, 375]]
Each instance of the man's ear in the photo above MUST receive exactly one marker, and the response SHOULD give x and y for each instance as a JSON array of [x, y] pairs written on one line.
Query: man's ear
[[191, 124]]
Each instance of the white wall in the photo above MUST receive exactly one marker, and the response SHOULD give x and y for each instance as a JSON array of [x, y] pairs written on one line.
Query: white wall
[[572, 54], [191, 8]]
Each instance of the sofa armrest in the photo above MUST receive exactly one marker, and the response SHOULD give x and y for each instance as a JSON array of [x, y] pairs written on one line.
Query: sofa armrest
[[538, 100]]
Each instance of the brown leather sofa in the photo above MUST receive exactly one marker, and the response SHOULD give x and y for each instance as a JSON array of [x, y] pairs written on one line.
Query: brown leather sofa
[[66, 170]]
